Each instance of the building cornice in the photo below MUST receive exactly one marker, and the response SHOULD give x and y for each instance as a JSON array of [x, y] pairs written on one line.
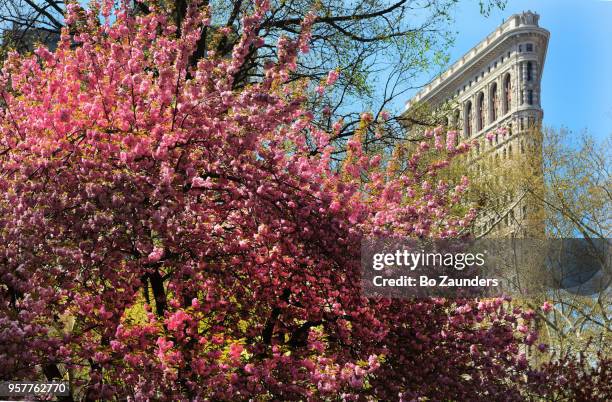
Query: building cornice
[[516, 26]]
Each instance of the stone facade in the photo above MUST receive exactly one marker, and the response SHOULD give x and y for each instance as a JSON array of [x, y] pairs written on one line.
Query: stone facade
[[494, 89]]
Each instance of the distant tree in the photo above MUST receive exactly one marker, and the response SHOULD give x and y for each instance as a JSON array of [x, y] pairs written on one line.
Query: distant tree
[[577, 202], [563, 182]]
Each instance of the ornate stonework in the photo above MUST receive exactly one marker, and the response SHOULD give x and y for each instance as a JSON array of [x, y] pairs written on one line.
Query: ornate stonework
[[516, 49], [494, 89]]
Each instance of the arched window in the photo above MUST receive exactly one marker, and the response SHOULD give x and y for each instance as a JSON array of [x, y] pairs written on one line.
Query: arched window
[[529, 67], [493, 103], [507, 93], [481, 111], [456, 119], [467, 121]]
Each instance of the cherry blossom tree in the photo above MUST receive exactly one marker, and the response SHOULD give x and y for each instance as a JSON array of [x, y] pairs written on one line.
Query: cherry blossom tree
[[165, 237], [361, 39]]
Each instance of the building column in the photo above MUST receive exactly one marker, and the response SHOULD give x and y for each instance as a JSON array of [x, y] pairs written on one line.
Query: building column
[[516, 85], [474, 115], [536, 84]]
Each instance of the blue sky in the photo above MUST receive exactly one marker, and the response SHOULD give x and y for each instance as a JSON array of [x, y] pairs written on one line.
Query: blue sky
[[577, 80]]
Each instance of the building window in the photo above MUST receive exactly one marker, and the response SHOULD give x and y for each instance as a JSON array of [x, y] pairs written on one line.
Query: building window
[[493, 103], [530, 97], [531, 122], [507, 93], [468, 119], [522, 96], [456, 120], [520, 48], [481, 111], [510, 151], [529, 47], [529, 68]]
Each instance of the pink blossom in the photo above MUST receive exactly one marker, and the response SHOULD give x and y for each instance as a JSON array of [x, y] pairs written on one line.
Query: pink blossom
[[523, 328], [451, 139], [332, 77], [156, 254], [235, 351], [366, 117], [198, 182]]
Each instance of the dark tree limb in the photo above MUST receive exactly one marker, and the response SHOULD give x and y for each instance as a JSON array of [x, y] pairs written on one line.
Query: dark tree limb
[[159, 292], [268, 330]]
